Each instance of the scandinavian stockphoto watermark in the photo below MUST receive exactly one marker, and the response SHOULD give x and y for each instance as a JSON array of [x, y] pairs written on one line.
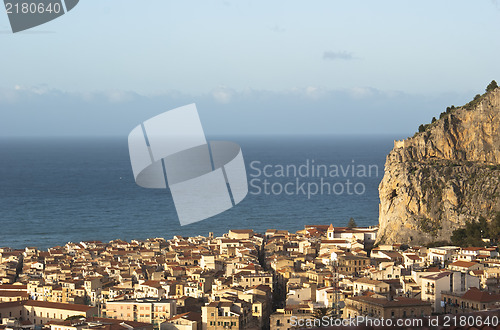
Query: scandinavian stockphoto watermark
[[444, 321], [26, 14], [204, 178], [310, 178]]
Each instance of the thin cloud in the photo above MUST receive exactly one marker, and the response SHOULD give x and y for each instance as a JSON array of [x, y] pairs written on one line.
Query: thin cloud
[[42, 110], [223, 94], [341, 55], [277, 29]]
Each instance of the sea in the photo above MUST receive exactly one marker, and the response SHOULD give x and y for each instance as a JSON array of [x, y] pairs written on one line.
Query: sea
[[59, 190]]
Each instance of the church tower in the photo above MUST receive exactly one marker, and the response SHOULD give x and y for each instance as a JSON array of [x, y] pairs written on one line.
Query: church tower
[[331, 232]]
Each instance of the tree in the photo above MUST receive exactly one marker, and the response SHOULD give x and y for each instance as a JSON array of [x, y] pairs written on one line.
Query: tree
[[493, 85], [459, 237], [433, 119], [421, 128], [472, 234], [494, 230], [74, 317], [321, 312], [351, 223], [404, 247]]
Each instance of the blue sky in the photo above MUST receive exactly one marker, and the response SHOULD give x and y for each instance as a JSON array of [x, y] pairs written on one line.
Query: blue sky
[[253, 67]]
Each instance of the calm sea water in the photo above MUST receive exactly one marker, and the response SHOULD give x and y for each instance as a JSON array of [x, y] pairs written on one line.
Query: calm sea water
[[57, 190]]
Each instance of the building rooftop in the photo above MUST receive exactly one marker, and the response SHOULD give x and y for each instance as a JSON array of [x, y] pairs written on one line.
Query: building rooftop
[[396, 302]]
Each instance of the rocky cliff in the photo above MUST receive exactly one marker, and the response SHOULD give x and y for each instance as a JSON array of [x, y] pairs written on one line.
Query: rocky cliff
[[445, 175]]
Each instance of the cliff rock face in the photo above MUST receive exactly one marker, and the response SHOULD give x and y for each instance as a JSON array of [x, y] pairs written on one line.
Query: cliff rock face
[[443, 177]]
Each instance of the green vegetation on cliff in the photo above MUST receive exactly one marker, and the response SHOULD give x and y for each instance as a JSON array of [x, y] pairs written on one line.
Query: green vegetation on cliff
[[469, 106], [477, 233], [445, 180]]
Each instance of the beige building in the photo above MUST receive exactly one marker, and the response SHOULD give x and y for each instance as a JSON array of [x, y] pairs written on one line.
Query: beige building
[[42, 312], [8, 296], [141, 310], [95, 323], [383, 308], [184, 321], [433, 285], [471, 301], [465, 266], [240, 233], [226, 315], [367, 235], [282, 318], [439, 255], [351, 264], [413, 260], [365, 284], [301, 294], [248, 280]]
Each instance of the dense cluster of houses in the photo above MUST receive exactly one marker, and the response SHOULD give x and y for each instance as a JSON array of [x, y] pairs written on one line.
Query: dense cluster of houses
[[241, 280]]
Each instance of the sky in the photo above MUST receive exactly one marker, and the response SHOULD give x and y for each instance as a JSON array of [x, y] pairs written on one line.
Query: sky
[[252, 67]]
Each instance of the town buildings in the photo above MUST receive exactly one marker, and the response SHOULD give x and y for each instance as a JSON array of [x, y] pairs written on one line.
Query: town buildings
[[241, 280]]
